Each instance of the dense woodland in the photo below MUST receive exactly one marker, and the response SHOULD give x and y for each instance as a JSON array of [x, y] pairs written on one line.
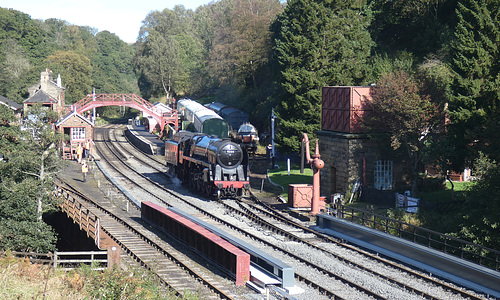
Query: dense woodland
[[429, 61]]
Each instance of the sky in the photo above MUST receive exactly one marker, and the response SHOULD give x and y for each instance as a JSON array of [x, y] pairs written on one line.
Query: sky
[[120, 17]]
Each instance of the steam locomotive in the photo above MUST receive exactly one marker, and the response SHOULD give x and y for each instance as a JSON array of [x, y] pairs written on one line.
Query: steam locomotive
[[211, 165]]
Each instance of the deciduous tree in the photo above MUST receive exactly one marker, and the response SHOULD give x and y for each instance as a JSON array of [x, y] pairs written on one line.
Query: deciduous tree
[[399, 108], [77, 73]]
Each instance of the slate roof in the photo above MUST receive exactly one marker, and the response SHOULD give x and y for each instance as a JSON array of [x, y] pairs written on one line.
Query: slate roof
[[69, 115], [40, 97], [9, 103]]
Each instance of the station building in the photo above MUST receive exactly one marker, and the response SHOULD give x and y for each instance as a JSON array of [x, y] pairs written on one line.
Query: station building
[[50, 95], [80, 131], [47, 93]]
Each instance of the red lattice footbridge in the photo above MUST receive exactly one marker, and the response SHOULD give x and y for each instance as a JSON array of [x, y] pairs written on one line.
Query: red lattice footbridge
[[129, 100]]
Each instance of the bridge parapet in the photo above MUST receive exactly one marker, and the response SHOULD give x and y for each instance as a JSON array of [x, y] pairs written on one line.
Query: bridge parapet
[[85, 218], [96, 100], [129, 100]]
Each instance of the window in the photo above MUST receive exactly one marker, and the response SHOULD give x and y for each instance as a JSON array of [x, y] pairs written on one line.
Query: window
[[78, 133], [383, 174]]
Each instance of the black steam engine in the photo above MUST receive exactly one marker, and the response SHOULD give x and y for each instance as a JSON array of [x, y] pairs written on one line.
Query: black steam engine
[[214, 166]]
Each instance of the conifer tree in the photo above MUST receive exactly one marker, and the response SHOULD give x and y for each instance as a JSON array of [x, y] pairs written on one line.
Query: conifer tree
[[474, 112], [475, 103], [316, 43]]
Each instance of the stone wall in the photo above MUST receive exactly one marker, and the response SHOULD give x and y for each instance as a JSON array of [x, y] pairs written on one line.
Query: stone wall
[[348, 157]]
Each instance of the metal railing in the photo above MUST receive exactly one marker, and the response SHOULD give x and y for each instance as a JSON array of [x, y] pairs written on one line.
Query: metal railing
[[68, 260], [483, 256]]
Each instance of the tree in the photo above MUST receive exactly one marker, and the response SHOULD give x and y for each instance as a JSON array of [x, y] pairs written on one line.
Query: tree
[[112, 65], [479, 213], [242, 44], [474, 105], [399, 108], [37, 158], [76, 71], [316, 43], [8, 135], [421, 27], [26, 181], [168, 53]]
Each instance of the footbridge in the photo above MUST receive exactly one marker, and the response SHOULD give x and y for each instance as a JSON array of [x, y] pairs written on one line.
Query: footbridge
[[129, 100]]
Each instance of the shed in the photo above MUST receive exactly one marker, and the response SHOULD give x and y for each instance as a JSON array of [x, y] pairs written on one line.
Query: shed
[[80, 131]]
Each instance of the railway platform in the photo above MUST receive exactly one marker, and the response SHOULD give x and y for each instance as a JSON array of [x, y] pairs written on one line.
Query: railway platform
[[144, 140], [72, 172]]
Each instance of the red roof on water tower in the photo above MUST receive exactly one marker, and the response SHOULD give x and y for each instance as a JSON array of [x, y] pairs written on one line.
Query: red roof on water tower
[[342, 108]]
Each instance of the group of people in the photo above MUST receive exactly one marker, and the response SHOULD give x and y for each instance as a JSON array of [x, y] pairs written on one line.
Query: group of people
[[82, 155]]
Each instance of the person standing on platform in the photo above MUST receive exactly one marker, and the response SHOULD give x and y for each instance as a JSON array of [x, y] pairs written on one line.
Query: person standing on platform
[[79, 152], [85, 170], [87, 149]]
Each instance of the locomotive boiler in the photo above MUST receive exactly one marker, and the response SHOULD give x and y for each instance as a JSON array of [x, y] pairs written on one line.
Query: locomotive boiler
[[211, 165]]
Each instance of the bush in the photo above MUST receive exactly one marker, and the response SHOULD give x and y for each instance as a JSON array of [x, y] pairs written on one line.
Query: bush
[[431, 184]]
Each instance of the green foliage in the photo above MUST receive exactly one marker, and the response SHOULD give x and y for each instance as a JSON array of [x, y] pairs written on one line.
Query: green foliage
[[33, 236], [83, 57], [8, 134], [76, 70], [400, 108], [168, 53], [475, 62], [25, 182], [119, 284], [421, 27], [316, 43], [479, 214], [112, 65]]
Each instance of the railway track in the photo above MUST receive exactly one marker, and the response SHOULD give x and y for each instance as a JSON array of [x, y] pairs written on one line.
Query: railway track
[[339, 286], [169, 261], [267, 217]]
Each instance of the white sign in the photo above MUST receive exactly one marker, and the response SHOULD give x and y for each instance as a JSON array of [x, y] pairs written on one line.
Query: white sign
[[409, 203]]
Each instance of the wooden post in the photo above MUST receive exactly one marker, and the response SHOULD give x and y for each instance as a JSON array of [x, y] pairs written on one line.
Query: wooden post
[[114, 257]]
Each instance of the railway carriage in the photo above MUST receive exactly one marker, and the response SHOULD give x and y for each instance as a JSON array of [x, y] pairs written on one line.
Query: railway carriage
[[214, 166], [198, 118], [247, 137], [243, 132]]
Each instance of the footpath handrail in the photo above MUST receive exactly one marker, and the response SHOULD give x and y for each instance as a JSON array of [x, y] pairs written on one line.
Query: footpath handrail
[[481, 255]]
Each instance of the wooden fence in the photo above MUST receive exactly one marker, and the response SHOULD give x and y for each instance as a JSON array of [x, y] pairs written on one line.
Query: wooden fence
[[68, 260]]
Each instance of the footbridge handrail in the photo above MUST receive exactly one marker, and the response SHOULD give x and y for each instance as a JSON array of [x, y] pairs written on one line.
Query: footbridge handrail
[[117, 99]]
